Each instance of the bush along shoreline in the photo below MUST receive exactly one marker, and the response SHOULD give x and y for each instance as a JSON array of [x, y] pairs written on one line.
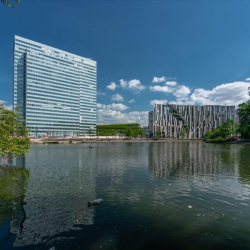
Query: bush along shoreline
[[218, 140], [225, 133]]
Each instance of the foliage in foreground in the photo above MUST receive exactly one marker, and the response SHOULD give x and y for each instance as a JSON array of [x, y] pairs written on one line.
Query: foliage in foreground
[[223, 133], [132, 129], [13, 134]]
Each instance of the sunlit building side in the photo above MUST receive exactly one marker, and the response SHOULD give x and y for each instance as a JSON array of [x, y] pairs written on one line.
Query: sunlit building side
[[170, 119], [54, 91]]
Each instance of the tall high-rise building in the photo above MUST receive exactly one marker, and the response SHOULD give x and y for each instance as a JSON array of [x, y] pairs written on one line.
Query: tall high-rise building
[[170, 119], [54, 91]]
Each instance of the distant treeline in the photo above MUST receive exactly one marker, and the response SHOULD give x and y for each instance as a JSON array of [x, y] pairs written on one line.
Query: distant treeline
[[132, 129]]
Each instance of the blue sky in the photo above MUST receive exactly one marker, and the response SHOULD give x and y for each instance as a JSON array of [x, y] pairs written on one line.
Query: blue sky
[[189, 52]]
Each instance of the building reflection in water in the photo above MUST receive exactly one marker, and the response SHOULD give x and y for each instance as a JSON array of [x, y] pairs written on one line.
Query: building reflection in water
[[192, 159], [62, 182], [202, 172], [63, 178]]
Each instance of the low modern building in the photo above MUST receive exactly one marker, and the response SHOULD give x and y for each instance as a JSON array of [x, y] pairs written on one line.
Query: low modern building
[[171, 119], [54, 91]]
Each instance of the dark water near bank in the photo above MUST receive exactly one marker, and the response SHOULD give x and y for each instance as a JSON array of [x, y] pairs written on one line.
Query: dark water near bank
[[146, 188]]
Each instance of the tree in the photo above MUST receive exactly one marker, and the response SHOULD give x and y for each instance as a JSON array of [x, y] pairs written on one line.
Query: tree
[[182, 133], [13, 134], [184, 130], [141, 133], [128, 133], [158, 133], [228, 128], [9, 3], [225, 131], [243, 113]]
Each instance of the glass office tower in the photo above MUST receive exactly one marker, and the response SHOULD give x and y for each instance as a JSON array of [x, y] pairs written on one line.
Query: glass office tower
[[54, 91]]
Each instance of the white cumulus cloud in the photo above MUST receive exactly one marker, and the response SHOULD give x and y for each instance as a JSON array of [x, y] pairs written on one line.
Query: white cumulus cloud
[[116, 117], [182, 91], [115, 113], [131, 101], [164, 89], [225, 94], [113, 106], [153, 102], [123, 83], [171, 83], [8, 107], [112, 86], [159, 79], [134, 85], [117, 98]]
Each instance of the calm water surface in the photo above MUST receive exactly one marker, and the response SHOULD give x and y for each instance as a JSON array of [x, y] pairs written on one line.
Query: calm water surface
[[156, 196]]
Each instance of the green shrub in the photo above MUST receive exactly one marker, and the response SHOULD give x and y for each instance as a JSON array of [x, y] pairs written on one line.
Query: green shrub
[[222, 133]]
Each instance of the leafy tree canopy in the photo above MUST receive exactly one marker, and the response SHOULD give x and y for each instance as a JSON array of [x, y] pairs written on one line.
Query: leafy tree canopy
[[13, 133], [243, 113], [184, 130], [158, 133], [225, 131], [128, 133]]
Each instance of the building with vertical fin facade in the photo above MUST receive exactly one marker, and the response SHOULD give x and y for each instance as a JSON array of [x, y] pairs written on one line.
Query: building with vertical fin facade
[[54, 91], [170, 119]]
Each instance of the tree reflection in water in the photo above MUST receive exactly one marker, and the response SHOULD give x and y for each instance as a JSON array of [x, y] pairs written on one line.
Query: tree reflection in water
[[13, 183], [244, 165]]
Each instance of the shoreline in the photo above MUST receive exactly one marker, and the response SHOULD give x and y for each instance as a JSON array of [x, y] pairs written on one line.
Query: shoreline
[[168, 140], [77, 141]]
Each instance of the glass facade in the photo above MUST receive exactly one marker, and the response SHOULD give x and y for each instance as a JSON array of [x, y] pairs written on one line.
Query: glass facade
[[54, 91]]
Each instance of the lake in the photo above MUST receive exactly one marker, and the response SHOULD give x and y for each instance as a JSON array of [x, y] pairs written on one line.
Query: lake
[[156, 196]]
